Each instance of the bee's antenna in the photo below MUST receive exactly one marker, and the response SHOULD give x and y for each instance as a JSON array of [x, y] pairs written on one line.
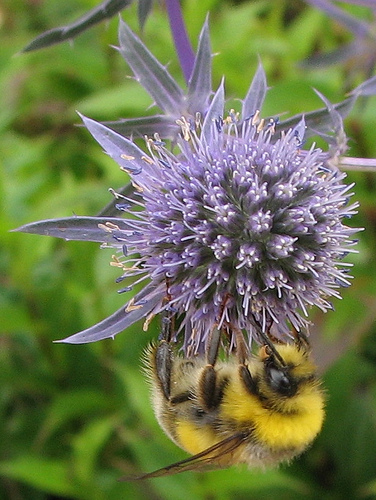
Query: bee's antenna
[[265, 336], [300, 338], [272, 348]]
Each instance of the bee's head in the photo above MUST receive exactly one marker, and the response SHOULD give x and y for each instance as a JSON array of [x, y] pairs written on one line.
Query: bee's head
[[286, 368], [279, 377]]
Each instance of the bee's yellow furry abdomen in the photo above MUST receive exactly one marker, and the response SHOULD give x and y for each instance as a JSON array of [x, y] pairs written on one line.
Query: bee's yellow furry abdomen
[[194, 440]]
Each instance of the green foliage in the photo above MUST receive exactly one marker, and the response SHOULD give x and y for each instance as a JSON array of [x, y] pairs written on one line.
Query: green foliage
[[73, 419]]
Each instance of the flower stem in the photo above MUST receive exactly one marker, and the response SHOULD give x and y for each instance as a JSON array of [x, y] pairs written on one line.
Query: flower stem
[[180, 36], [358, 164]]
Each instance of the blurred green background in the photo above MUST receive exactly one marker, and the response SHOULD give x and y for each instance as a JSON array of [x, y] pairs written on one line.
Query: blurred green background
[[74, 418]]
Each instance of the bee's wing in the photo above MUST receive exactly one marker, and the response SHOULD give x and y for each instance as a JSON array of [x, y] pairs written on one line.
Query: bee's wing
[[206, 460]]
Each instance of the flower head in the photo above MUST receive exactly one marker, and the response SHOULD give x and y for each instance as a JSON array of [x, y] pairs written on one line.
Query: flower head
[[238, 229], [234, 226]]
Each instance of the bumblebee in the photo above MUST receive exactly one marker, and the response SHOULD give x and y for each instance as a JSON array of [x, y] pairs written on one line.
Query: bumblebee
[[258, 410]]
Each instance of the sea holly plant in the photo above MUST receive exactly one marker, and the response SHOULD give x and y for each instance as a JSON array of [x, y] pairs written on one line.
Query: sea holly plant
[[229, 221], [104, 10]]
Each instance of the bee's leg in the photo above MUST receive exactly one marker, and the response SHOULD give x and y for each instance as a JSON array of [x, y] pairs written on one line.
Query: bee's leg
[[242, 349], [242, 352], [213, 346], [209, 393], [163, 354]]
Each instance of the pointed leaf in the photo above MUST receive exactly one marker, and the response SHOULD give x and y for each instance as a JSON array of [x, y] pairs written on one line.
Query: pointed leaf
[[199, 87], [149, 71], [256, 94], [120, 320], [143, 11], [320, 119], [105, 10], [366, 88], [215, 112], [359, 28], [145, 125], [334, 57], [335, 116], [75, 228], [120, 149]]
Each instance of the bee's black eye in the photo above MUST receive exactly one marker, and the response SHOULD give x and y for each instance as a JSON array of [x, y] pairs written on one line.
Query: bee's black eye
[[280, 382]]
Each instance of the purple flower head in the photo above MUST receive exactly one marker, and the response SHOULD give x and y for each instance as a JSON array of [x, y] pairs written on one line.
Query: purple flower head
[[234, 226], [238, 230]]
